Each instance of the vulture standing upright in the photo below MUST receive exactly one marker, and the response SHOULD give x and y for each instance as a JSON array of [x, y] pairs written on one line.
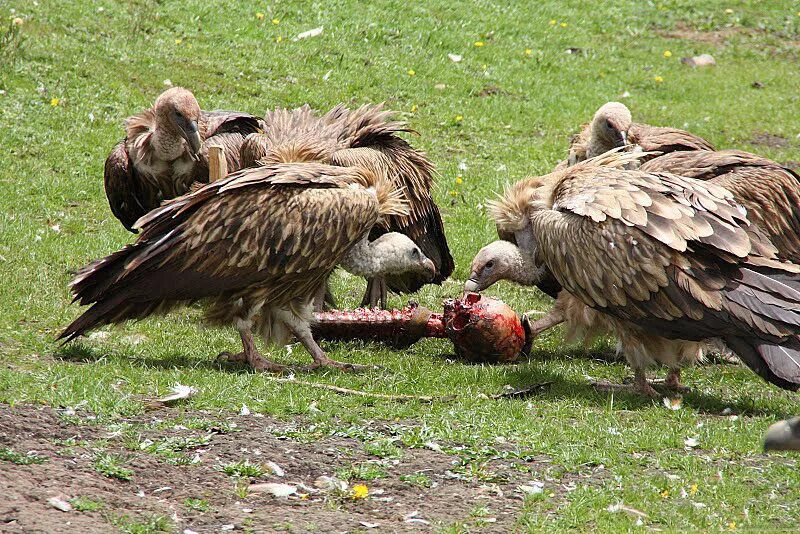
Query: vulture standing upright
[[612, 127], [364, 138], [165, 151], [657, 255], [254, 247]]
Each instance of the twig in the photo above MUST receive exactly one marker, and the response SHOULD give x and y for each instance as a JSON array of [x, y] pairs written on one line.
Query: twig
[[347, 391]]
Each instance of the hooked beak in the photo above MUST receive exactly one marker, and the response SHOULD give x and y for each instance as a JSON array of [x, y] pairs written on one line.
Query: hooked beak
[[429, 267], [472, 283], [192, 136], [623, 139]]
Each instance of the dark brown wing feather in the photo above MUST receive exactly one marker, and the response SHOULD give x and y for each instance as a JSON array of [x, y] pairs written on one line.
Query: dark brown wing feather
[[279, 230], [126, 197], [688, 275]]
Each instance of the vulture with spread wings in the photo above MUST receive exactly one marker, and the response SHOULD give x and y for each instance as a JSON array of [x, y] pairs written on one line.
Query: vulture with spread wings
[[165, 151], [254, 247], [613, 127], [657, 255], [365, 138]]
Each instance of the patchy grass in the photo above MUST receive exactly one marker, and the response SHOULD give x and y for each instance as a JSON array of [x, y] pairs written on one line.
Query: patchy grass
[[243, 469], [77, 69], [10, 455], [111, 466], [85, 504]]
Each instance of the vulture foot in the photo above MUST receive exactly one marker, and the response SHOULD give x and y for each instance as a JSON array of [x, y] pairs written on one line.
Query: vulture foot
[[673, 382], [259, 363], [376, 293]]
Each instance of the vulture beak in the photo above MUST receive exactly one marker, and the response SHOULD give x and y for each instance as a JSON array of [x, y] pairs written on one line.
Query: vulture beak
[[623, 136], [192, 136], [429, 268], [783, 436], [472, 283]]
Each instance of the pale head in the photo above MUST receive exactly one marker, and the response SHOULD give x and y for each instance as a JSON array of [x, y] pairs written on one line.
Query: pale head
[[177, 109], [401, 255], [501, 260], [610, 126]]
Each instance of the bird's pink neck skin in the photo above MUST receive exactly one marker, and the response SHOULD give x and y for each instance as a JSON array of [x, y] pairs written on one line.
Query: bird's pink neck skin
[[176, 134]]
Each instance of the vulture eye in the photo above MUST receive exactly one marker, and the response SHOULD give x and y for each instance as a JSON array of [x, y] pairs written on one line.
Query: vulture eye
[[609, 125], [415, 253], [490, 264]]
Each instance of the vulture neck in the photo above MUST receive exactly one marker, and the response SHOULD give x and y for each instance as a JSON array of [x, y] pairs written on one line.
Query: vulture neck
[[524, 269], [598, 144], [166, 140], [369, 259]]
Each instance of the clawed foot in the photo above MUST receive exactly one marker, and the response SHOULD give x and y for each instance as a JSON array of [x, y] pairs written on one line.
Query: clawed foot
[[672, 385], [342, 366], [260, 364], [647, 390]]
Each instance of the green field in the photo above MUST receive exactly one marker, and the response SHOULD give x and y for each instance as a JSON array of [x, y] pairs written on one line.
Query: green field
[[530, 74]]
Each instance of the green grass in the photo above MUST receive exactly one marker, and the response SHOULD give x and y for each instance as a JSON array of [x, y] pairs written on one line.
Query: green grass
[[74, 71], [111, 466], [10, 455], [243, 469], [85, 504]]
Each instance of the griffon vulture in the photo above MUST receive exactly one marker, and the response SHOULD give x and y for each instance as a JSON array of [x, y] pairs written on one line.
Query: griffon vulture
[[657, 255], [364, 138], [165, 151], [254, 247], [612, 127]]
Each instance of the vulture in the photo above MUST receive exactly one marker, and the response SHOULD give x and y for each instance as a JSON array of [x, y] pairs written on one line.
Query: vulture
[[783, 436], [656, 255], [165, 151], [364, 138], [612, 127], [253, 248]]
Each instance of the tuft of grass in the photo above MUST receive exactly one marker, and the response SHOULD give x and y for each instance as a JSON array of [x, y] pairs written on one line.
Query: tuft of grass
[[363, 471], [10, 455], [243, 469], [199, 505], [111, 466], [417, 479], [149, 525], [384, 448], [85, 504]]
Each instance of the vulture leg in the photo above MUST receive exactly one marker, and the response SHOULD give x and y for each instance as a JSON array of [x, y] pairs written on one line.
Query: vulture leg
[[642, 386], [302, 331], [250, 354], [552, 318], [323, 298], [376, 293], [673, 381]]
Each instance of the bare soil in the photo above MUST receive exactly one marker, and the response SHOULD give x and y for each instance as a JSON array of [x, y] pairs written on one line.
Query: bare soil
[[770, 140], [160, 489]]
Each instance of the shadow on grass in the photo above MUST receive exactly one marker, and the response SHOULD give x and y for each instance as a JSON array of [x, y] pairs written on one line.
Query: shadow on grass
[[81, 353]]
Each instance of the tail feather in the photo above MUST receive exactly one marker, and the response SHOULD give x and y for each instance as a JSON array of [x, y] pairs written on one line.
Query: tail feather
[[98, 315], [775, 362]]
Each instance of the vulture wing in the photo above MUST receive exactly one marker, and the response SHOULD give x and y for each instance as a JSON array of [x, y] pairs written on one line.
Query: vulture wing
[[281, 228], [769, 191], [126, 196], [674, 256], [664, 140], [222, 122]]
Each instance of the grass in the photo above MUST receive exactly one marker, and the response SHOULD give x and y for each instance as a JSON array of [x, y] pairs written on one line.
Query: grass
[[10, 455], [73, 71], [85, 504], [111, 466], [243, 469]]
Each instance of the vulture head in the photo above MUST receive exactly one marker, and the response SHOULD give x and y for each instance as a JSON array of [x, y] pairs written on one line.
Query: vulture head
[[392, 253], [177, 110], [610, 126], [503, 260]]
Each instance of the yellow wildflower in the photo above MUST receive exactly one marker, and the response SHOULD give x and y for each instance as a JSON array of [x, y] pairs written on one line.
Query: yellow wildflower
[[54, 102], [453, 193], [552, 22], [563, 24], [658, 79], [665, 494], [528, 51], [729, 11], [411, 72], [178, 41], [303, 496], [414, 108], [260, 16], [459, 180], [693, 489], [360, 491], [278, 39], [276, 21], [459, 118], [479, 43], [732, 525], [17, 21], [667, 53]]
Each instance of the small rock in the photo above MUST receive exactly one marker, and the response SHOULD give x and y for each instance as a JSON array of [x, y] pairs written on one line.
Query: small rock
[[368, 525], [330, 483], [245, 410], [757, 85], [273, 488], [310, 33], [703, 60], [440, 87], [455, 58], [60, 504]]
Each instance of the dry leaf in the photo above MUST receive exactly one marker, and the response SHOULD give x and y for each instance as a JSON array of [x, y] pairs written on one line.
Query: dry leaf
[[310, 33], [60, 504]]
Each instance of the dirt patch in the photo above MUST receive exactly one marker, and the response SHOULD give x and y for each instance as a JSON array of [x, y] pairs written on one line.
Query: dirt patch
[[770, 140], [491, 90], [200, 497], [714, 37]]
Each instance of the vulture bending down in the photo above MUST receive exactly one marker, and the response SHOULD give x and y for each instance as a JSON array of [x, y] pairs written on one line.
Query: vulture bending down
[[365, 138], [254, 247], [612, 127], [658, 255], [165, 151]]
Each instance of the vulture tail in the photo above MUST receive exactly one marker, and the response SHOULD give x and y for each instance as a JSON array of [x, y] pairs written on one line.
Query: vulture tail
[[777, 363], [99, 314]]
